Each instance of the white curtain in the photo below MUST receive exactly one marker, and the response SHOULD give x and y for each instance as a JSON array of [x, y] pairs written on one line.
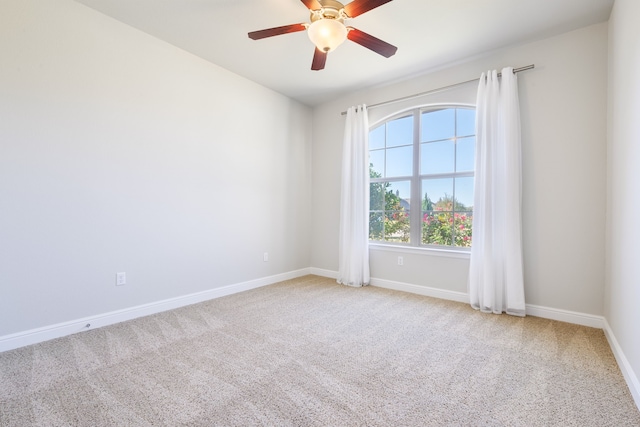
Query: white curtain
[[353, 250], [495, 273]]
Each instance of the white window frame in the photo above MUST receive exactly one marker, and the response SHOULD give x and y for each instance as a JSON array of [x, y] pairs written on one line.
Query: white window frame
[[415, 215]]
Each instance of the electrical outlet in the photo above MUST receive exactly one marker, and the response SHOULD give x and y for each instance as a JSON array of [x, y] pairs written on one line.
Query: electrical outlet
[[121, 279], [265, 257], [400, 260]]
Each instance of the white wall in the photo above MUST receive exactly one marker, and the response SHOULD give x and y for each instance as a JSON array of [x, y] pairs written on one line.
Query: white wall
[[563, 104], [623, 197], [119, 152]]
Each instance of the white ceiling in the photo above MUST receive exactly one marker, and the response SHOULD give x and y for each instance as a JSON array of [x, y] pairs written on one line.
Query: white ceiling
[[428, 34]]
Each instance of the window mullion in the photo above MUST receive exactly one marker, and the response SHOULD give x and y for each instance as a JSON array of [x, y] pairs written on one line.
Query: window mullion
[[455, 169], [416, 197]]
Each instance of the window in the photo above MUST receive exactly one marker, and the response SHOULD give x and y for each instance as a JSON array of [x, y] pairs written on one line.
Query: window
[[421, 165]]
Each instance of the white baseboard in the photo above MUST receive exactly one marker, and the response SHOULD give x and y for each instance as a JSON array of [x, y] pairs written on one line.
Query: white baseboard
[[532, 310], [34, 336], [405, 287], [399, 286], [421, 290], [324, 273], [627, 371], [574, 317]]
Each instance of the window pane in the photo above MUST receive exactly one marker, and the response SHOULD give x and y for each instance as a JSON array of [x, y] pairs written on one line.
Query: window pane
[[437, 194], [376, 225], [465, 122], [437, 228], [437, 157], [462, 229], [376, 196], [465, 159], [376, 164], [400, 132], [397, 227], [402, 192], [437, 125], [389, 211], [376, 137], [389, 196], [399, 161], [464, 194]]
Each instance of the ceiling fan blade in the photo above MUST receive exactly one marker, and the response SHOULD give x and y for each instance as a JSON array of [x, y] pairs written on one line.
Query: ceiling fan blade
[[270, 32], [319, 59], [375, 44], [358, 7], [312, 4]]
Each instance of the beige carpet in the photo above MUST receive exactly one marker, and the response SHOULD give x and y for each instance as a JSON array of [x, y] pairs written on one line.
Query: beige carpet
[[310, 352]]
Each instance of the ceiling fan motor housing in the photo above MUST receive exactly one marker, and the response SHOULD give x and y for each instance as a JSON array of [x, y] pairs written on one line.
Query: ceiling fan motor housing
[[331, 9]]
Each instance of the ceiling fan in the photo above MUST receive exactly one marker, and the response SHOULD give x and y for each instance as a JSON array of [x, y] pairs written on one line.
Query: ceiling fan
[[327, 29]]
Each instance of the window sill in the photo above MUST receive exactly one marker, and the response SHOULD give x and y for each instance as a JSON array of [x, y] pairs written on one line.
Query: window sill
[[449, 253]]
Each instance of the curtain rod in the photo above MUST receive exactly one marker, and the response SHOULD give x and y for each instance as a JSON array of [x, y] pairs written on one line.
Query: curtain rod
[[404, 98]]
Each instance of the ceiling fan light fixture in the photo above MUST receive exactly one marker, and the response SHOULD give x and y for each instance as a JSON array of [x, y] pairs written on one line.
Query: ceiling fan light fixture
[[327, 29], [327, 34]]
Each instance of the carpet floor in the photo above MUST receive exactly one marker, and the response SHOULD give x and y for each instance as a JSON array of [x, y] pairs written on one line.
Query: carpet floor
[[310, 352]]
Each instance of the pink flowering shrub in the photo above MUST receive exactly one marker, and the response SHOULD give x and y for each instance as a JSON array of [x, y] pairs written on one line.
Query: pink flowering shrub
[[447, 228]]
